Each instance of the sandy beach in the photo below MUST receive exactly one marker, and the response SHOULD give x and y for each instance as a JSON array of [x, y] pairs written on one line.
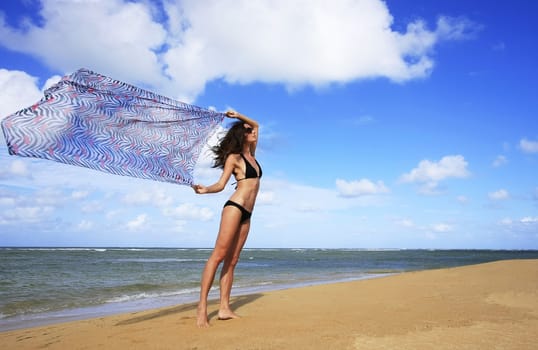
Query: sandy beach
[[486, 306]]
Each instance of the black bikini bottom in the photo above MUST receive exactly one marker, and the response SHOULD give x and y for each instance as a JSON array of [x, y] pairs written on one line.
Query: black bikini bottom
[[245, 214]]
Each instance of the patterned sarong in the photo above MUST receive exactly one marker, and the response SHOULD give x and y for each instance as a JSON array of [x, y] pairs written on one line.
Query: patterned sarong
[[90, 120]]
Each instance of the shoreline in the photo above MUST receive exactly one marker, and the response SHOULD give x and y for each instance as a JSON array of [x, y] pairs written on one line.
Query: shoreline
[[470, 307], [111, 309]]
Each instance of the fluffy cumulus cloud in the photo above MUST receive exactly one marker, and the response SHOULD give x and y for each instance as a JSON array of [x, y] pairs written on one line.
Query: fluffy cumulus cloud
[[16, 168], [177, 47], [360, 187], [429, 173], [17, 89], [22, 210], [113, 36], [528, 146], [499, 195], [526, 222], [137, 223]]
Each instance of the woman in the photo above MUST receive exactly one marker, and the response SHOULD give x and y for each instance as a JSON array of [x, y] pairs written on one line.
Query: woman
[[235, 155]]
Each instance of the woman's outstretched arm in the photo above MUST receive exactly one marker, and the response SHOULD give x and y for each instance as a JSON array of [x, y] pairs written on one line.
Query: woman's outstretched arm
[[223, 180]]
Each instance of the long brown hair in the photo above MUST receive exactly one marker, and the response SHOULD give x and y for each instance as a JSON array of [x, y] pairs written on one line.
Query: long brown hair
[[231, 143]]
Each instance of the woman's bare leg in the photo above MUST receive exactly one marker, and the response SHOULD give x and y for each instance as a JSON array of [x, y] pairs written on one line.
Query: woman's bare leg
[[227, 273], [225, 239], [207, 280]]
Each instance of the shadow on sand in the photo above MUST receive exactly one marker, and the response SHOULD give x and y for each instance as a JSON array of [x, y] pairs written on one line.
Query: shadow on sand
[[235, 303]]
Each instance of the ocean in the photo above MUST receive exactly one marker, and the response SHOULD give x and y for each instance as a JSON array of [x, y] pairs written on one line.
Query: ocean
[[48, 285]]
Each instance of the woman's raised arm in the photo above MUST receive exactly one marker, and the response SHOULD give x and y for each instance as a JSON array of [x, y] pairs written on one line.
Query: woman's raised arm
[[254, 124]]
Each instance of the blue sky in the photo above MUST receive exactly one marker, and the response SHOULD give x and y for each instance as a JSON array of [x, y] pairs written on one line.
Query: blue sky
[[396, 124]]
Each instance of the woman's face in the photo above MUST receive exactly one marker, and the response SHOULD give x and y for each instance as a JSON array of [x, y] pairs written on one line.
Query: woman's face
[[250, 134]]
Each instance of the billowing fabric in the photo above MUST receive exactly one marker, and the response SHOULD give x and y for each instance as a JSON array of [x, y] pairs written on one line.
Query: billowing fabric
[[93, 121]]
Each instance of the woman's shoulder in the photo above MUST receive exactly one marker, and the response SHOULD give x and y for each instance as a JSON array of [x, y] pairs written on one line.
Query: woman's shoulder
[[233, 157]]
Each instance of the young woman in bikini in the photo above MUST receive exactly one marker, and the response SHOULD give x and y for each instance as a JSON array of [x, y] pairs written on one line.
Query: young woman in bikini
[[235, 155]]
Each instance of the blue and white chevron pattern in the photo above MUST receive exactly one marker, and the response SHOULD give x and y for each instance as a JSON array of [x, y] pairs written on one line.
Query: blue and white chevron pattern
[[93, 121]]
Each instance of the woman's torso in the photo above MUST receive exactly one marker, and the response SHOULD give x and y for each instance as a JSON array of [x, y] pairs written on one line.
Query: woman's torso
[[247, 174]]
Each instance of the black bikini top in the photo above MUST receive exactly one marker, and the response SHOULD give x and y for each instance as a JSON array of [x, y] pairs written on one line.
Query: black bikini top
[[250, 171]]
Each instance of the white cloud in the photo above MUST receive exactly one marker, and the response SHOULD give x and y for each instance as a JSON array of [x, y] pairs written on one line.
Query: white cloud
[[79, 194], [137, 223], [441, 228], [529, 220], [295, 43], [154, 196], [528, 146], [49, 196], [188, 211], [16, 168], [450, 28], [500, 161], [17, 91], [360, 187], [35, 207], [26, 214], [499, 195], [524, 221], [51, 81], [429, 173], [299, 215], [100, 34], [299, 42], [19, 168]]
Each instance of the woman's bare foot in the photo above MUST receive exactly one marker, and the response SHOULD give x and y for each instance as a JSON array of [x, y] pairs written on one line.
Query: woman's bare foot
[[227, 314], [201, 318]]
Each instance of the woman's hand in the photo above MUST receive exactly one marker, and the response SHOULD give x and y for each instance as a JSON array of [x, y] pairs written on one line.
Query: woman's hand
[[233, 114], [199, 189]]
